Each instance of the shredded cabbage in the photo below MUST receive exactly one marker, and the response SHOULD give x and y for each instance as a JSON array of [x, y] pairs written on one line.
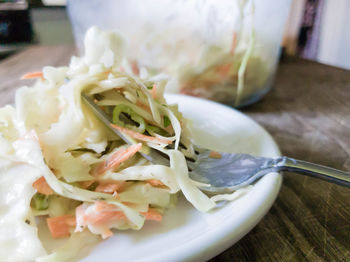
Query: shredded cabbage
[[58, 161]]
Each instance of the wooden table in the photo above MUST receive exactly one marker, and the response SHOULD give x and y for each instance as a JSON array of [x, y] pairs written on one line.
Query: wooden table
[[308, 113]]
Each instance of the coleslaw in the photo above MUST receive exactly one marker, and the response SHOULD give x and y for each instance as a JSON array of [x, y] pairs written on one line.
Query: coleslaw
[[60, 164], [211, 49]]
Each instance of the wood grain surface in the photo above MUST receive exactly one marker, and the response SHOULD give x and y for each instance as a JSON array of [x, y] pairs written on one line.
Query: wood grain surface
[[308, 113]]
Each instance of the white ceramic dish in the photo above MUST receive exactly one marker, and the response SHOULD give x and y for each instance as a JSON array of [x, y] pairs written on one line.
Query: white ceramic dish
[[189, 235]]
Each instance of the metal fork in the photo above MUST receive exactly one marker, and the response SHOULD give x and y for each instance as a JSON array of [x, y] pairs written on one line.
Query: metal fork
[[230, 171]]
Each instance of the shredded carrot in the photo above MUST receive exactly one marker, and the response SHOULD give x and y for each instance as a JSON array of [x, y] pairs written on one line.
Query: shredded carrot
[[152, 214], [99, 217], [71, 221], [214, 154], [103, 207], [155, 182], [129, 204], [110, 188], [102, 214], [135, 68], [103, 108], [117, 158], [106, 73], [60, 226], [153, 91], [42, 186], [143, 106], [141, 137], [107, 233], [169, 128], [104, 217], [33, 75], [234, 43], [224, 69]]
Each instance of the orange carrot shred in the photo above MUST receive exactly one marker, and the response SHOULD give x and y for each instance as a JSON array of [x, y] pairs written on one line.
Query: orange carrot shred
[[104, 213], [214, 154], [143, 106], [60, 226], [71, 221], [153, 91], [224, 69], [135, 68], [155, 182], [141, 137], [117, 158], [102, 206], [152, 214], [234, 43], [106, 73], [107, 233], [42, 186], [104, 217], [33, 75], [110, 188]]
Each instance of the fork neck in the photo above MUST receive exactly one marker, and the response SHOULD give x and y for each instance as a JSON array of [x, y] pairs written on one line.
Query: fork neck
[[313, 170]]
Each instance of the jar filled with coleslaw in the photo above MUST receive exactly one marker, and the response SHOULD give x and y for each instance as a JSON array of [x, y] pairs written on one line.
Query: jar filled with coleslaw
[[226, 51]]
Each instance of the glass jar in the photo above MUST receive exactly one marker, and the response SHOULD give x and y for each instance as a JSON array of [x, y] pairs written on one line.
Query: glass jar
[[223, 50]]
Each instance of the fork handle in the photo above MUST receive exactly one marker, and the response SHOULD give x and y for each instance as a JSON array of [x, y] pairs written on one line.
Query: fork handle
[[318, 171]]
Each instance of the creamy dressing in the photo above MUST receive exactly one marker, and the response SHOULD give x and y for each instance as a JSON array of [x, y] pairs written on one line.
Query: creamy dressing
[[18, 233]]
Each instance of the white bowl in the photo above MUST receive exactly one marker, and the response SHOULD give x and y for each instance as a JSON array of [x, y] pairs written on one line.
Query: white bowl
[[186, 234]]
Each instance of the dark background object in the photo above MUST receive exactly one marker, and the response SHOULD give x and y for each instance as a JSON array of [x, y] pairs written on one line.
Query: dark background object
[[15, 26], [310, 29]]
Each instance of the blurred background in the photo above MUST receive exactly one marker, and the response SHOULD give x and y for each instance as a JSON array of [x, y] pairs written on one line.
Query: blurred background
[[316, 29]]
